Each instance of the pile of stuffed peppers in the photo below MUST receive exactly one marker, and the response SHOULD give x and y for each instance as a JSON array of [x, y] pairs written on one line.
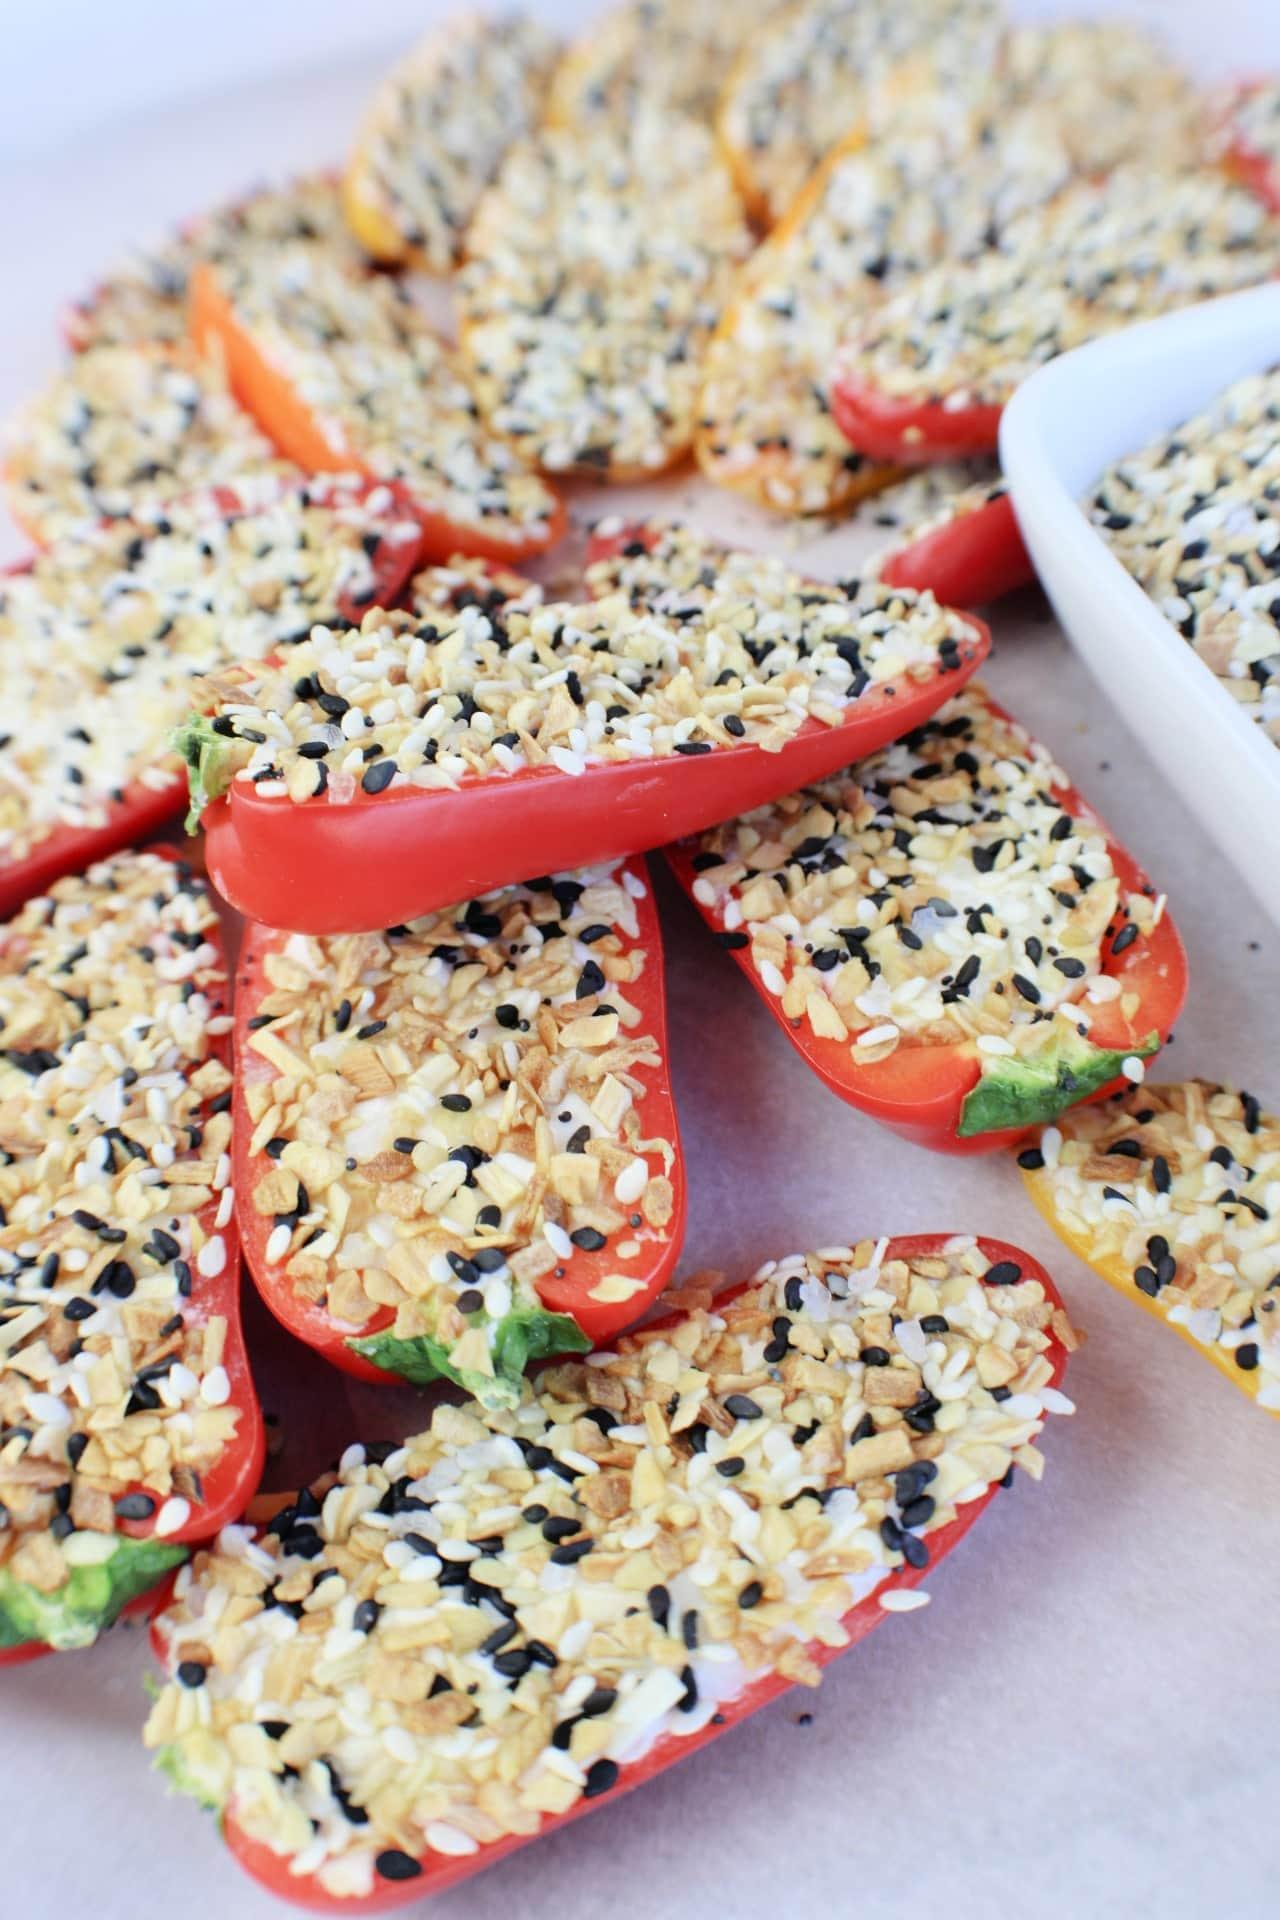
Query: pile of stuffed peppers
[[275, 518]]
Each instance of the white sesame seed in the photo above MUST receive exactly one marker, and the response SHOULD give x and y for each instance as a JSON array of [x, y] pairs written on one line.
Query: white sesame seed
[[903, 1600], [173, 1516], [215, 1388], [278, 1244], [212, 1257], [48, 1410]]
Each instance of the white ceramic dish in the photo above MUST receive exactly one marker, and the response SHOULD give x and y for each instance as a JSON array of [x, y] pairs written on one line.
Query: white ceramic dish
[[1068, 423]]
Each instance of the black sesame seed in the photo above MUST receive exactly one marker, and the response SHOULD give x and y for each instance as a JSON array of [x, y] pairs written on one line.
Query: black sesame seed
[[393, 1864], [117, 1278], [569, 1555], [910, 1483], [601, 1776], [1004, 1273], [590, 981], [135, 1506], [378, 776]]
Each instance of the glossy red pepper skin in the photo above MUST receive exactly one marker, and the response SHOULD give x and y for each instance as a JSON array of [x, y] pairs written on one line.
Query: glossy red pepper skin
[[375, 860], [601, 1321], [968, 562], [301, 436], [379, 859], [147, 807], [911, 433], [1245, 163], [439, 1872], [317, 867], [919, 1091], [231, 1482]]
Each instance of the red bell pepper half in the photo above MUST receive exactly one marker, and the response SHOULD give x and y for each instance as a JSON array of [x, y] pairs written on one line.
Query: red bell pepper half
[[910, 433], [967, 559], [319, 446], [145, 806], [72, 849], [225, 1488], [322, 866], [921, 1090], [436, 1872], [564, 1291]]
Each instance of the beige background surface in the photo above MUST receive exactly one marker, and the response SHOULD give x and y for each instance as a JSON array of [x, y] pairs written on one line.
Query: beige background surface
[[1086, 1721]]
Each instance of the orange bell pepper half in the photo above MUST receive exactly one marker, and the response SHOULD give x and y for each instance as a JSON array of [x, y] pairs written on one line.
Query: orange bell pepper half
[[321, 445]]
